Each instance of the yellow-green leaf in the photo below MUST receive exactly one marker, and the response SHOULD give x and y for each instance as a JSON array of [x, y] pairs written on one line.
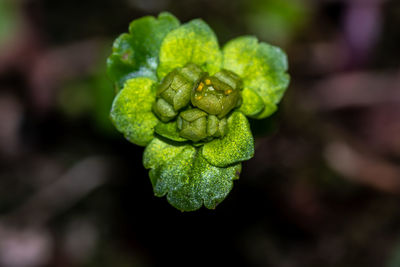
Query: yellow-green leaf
[[159, 152], [205, 184], [252, 103], [193, 42], [188, 180], [236, 146], [131, 111], [262, 68], [135, 54]]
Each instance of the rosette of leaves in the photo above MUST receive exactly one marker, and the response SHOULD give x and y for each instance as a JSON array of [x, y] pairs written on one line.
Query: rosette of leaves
[[186, 100]]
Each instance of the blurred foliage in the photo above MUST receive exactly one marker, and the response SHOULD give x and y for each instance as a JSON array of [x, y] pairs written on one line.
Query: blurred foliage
[[90, 96], [9, 19], [276, 21]]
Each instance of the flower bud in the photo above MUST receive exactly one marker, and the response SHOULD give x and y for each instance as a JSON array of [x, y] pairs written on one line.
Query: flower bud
[[164, 110], [216, 127], [195, 124], [192, 124], [177, 86], [218, 94]]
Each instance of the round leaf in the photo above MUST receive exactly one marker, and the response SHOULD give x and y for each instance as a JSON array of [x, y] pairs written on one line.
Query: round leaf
[[252, 104], [261, 66], [206, 184], [175, 173], [131, 111], [236, 146], [135, 54], [159, 152], [188, 180], [193, 42], [271, 89]]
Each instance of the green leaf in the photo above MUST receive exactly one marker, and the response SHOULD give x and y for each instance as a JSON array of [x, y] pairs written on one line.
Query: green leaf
[[271, 90], [236, 146], [205, 184], [193, 42], [131, 111], [135, 54], [174, 173], [159, 152], [261, 66], [252, 104], [169, 130], [188, 180]]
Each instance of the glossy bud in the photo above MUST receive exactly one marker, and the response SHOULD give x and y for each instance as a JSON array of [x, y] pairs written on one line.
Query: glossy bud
[[164, 110], [192, 124], [218, 94], [195, 124], [177, 86], [216, 127]]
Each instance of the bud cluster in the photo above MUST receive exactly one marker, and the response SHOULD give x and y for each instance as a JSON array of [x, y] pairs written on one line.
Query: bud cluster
[[200, 102]]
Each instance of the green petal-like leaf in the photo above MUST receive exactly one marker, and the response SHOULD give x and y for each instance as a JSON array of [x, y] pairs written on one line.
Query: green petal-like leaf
[[271, 89], [131, 111], [186, 177], [159, 152], [206, 184], [169, 130], [135, 54], [174, 174], [252, 104], [261, 66], [236, 146], [193, 42]]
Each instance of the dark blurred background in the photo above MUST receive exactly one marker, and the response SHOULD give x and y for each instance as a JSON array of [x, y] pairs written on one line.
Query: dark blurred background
[[322, 190]]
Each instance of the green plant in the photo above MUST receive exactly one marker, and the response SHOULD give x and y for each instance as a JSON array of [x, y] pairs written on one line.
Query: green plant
[[186, 100]]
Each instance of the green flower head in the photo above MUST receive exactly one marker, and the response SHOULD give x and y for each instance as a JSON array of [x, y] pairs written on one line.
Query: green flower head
[[186, 100]]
